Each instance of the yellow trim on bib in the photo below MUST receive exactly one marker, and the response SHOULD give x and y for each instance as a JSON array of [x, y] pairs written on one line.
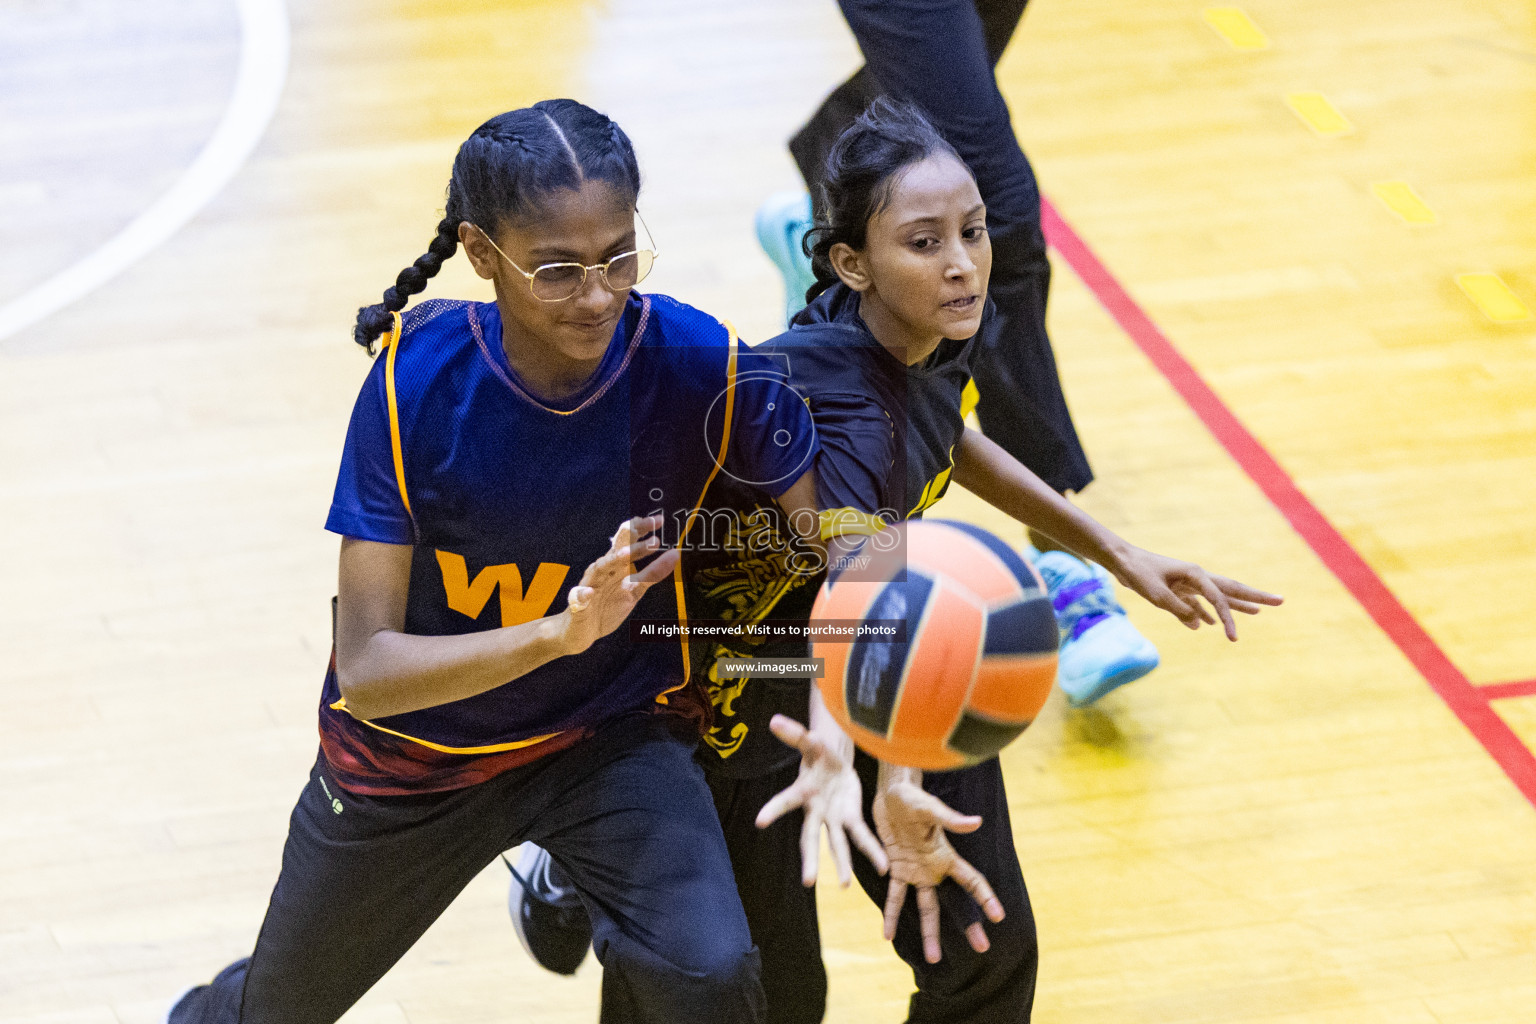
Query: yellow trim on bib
[[677, 571], [391, 346]]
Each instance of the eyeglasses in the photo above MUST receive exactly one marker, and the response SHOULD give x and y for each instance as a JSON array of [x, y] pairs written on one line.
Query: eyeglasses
[[556, 282]]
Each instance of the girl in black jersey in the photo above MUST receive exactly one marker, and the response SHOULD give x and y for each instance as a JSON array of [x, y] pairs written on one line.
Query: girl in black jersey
[[902, 261], [882, 356]]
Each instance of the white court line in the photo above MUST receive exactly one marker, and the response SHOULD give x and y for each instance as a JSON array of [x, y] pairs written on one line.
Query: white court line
[[258, 85]]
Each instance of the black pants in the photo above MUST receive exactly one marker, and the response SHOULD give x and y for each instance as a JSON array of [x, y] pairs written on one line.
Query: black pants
[[965, 987], [780, 911], [627, 813], [940, 54]]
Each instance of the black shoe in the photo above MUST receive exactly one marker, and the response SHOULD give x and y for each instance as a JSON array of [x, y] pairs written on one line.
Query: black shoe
[[550, 919]]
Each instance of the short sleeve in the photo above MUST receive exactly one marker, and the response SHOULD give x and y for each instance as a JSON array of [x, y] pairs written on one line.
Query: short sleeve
[[858, 454], [773, 438], [367, 503]]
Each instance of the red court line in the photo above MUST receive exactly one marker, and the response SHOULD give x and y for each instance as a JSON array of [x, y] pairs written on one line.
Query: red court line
[[1468, 702], [1498, 691]]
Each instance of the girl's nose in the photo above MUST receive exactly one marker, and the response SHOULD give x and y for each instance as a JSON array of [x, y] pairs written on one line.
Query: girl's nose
[[960, 262], [595, 294]]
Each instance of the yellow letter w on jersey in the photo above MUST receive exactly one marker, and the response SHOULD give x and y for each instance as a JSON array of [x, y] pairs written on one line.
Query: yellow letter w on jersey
[[516, 606]]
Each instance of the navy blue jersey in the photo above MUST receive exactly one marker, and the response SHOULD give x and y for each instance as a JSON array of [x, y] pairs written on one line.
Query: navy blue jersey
[[506, 498], [886, 434]]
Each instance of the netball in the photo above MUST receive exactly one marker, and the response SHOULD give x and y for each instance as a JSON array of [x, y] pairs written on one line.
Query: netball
[[977, 658]]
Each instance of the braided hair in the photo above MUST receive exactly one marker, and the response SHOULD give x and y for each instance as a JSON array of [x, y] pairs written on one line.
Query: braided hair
[[501, 172], [860, 175]]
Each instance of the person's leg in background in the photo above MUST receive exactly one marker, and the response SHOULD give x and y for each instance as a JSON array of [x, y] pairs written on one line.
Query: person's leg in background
[[941, 55], [811, 144]]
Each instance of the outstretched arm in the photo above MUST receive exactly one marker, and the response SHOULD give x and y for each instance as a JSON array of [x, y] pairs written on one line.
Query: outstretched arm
[[827, 789], [382, 670], [994, 476]]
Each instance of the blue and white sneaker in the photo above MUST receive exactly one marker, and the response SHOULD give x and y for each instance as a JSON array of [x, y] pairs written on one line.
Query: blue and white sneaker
[[547, 912], [782, 222], [1100, 649]]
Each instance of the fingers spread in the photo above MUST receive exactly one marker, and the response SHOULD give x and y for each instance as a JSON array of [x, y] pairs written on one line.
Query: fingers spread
[[1242, 591], [632, 530], [639, 549], [1218, 601], [1176, 605], [838, 840], [976, 935], [658, 570], [781, 804], [945, 815], [1189, 590], [975, 883], [928, 917], [789, 731], [895, 898], [810, 849]]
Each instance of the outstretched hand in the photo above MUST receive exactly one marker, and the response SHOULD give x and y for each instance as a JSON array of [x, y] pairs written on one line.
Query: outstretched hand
[[912, 822], [610, 588], [1177, 587], [828, 791]]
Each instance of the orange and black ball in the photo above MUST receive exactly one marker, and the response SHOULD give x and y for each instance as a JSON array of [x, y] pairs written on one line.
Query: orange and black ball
[[974, 663]]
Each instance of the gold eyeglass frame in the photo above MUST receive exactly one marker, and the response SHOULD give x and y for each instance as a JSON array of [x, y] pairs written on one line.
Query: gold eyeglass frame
[[585, 268]]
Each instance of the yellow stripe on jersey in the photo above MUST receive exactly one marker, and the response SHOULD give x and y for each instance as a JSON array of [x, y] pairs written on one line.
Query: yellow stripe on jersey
[[677, 571], [391, 346], [494, 748], [849, 522]]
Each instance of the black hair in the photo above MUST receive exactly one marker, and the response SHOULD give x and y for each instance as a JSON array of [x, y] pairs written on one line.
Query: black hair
[[861, 172], [500, 174]]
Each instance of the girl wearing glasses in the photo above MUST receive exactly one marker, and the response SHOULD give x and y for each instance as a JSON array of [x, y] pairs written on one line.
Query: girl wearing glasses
[[510, 476]]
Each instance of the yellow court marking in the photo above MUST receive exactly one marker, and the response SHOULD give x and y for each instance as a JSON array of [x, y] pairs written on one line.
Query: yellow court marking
[[1234, 25], [1319, 114], [1491, 295], [1402, 200]]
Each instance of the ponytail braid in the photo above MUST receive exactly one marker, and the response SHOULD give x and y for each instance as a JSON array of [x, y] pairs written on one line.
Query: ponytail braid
[[502, 171], [378, 319]]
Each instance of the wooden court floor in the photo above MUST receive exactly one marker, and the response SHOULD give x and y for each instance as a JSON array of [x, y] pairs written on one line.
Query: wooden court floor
[[1326, 210]]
